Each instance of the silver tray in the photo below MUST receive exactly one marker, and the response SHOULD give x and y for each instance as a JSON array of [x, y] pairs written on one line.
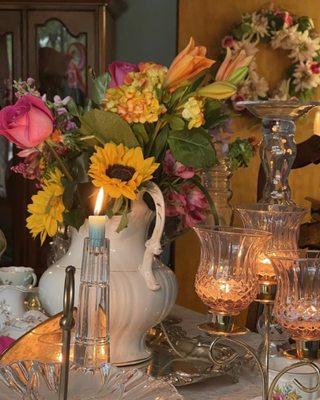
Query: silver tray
[[181, 360]]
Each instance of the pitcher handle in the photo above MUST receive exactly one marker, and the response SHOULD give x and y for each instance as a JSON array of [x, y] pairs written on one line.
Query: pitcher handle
[[153, 245]]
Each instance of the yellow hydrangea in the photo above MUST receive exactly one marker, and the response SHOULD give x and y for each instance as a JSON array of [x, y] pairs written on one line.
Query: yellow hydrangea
[[192, 111], [47, 207], [136, 100]]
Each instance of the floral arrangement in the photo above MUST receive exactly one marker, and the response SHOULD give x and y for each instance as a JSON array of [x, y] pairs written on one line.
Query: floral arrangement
[[281, 30], [144, 122]]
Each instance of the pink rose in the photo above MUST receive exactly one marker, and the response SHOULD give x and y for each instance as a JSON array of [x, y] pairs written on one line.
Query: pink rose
[[173, 167], [27, 123], [118, 71]]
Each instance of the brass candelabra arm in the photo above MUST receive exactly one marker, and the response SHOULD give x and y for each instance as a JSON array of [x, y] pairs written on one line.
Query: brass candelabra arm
[[66, 324], [249, 350], [302, 387], [267, 392]]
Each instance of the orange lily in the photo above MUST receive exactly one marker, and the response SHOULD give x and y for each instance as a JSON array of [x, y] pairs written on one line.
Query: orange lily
[[188, 64], [234, 69]]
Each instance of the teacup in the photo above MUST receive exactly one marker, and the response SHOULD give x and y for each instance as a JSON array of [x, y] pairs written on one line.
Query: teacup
[[12, 300], [18, 276]]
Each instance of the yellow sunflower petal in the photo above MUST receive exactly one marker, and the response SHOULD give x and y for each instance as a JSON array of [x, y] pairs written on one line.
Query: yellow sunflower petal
[[46, 209], [132, 162]]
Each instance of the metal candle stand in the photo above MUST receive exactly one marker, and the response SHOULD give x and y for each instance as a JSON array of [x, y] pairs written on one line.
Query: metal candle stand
[[267, 391], [66, 323]]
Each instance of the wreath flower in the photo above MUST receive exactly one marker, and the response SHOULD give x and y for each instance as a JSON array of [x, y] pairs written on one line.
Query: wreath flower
[[282, 31]]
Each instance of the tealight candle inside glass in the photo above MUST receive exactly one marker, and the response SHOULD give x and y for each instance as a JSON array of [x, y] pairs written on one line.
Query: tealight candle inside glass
[[297, 304], [226, 280]]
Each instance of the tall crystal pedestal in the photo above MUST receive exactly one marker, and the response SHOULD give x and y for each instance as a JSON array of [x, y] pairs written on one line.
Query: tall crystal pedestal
[[278, 148]]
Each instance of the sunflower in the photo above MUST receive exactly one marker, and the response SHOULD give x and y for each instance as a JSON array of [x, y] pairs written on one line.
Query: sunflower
[[119, 170], [47, 207]]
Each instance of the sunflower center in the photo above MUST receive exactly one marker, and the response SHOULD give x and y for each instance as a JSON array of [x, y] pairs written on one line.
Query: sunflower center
[[121, 172]]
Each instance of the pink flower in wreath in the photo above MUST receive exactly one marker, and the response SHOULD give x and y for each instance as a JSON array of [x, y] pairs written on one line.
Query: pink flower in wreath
[[27, 123], [173, 167], [287, 19], [228, 41], [315, 67]]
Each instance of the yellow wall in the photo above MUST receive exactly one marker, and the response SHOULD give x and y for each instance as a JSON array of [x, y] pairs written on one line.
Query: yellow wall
[[208, 21]]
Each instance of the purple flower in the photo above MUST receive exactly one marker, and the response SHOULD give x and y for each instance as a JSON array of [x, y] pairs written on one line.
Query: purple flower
[[189, 204], [118, 71], [176, 168]]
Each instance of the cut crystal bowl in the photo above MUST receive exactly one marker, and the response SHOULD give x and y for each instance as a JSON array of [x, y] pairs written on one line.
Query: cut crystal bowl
[[38, 381]]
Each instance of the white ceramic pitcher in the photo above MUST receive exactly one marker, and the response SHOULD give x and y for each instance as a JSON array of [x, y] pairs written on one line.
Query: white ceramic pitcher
[[143, 290]]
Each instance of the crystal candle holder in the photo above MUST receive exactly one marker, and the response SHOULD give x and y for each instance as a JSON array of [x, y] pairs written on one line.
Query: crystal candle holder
[[92, 337], [33, 380], [283, 222], [278, 148], [297, 304], [226, 280]]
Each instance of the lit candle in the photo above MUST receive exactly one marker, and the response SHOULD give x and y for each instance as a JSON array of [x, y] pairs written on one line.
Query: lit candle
[[316, 124], [97, 223]]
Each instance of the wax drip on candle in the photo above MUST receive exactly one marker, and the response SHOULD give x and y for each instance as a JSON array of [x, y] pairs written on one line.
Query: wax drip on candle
[[97, 222]]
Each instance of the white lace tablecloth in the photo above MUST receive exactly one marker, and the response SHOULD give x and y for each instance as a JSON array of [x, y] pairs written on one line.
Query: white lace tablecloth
[[220, 388]]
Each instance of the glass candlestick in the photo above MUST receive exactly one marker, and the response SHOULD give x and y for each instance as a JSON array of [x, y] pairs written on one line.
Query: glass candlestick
[[297, 304], [226, 280], [284, 223], [278, 148], [92, 338]]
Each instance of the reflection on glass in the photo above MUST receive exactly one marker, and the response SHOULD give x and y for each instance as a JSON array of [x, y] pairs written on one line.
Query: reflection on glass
[[62, 59], [6, 69]]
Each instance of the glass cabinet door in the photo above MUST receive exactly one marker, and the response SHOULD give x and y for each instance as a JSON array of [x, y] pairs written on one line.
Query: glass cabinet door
[[10, 49], [61, 49]]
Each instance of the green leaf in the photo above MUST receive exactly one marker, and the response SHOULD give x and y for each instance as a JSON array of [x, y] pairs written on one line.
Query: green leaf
[[73, 108], [160, 142], [305, 23], [192, 148], [123, 222], [69, 188], [176, 123], [74, 218], [141, 133], [100, 85], [214, 115], [239, 31], [107, 127], [80, 167]]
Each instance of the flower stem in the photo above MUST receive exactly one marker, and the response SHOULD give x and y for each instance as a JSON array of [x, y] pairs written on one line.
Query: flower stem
[[60, 162]]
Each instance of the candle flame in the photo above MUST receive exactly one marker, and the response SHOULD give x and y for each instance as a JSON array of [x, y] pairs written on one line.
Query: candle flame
[[99, 202]]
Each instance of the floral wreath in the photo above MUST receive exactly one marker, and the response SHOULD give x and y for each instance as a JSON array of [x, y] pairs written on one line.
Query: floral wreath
[[283, 31]]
